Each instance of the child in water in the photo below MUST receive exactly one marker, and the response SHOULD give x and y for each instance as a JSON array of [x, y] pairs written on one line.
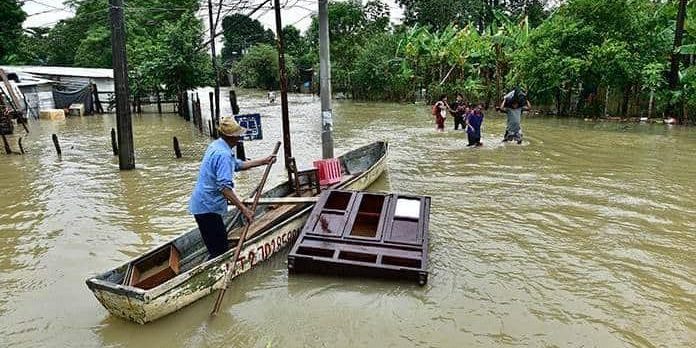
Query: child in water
[[473, 126]]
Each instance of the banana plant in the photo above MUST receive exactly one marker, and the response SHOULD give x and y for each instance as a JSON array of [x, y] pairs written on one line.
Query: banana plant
[[653, 78]]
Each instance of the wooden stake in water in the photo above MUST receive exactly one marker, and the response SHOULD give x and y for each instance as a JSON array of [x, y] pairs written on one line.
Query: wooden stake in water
[[114, 143], [7, 145], [56, 144], [233, 102], [177, 150]]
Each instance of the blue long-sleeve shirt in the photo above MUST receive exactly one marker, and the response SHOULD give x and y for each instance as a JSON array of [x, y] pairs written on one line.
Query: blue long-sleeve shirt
[[475, 120], [217, 172]]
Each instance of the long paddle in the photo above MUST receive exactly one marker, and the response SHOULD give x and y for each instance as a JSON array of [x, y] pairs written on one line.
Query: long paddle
[[231, 264]]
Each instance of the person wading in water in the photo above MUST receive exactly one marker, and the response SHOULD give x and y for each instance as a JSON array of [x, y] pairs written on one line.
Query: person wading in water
[[439, 111], [459, 111], [215, 186], [513, 104]]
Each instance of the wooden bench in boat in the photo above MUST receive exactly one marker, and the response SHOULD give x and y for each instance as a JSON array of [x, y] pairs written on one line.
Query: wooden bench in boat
[[282, 200]]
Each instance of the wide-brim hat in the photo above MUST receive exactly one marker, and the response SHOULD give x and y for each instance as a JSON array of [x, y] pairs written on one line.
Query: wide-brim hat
[[229, 127]]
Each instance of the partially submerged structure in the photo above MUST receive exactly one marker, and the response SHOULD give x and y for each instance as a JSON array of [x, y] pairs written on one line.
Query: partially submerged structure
[[50, 87], [70, 77]]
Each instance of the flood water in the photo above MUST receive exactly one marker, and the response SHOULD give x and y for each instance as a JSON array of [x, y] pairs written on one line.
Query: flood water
[[582, 236]]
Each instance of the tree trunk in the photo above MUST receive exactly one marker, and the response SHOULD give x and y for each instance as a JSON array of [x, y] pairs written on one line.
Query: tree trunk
[[606, 102], [558, 101], [568, 100], [448, 74], [650, 103], [637, 97], [624, 102], [489, 75], [672, 109], [497, 73], [576, 104]]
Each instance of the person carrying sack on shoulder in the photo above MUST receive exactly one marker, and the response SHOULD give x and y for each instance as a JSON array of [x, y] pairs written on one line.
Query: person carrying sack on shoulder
[[439, 111], [513, 104]]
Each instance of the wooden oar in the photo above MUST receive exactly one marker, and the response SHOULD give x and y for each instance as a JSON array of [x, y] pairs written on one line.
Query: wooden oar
[[239, 212], [233, 262]]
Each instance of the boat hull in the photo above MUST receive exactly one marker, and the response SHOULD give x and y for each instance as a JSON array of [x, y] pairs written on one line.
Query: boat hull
[[143, 306]]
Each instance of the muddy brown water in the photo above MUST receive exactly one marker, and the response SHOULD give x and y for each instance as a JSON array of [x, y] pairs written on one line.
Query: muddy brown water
[[581, 236]]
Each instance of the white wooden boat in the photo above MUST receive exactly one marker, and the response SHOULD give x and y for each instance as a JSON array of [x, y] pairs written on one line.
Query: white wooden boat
[[273, 230]]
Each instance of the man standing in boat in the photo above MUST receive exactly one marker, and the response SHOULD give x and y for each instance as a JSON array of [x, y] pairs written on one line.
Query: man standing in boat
[[215, 186]]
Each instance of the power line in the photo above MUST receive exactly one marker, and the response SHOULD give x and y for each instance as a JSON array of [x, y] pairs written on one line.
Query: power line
[[303, 17], [48, 5]]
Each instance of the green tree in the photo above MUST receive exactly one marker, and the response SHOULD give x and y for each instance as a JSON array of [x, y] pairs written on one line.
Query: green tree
[[295, 44], [94, 50], [65, 38], [350, 27], [34, 47], [241, 32], [653, 76], [11, 18], [258, 68], [379, 74], [438, 14], [587, 45], [163, 50]]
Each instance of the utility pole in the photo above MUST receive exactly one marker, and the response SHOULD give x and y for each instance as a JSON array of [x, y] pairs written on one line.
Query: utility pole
[[126, 155], [676, 58], [287, 148], [325, 81], [216, 117]]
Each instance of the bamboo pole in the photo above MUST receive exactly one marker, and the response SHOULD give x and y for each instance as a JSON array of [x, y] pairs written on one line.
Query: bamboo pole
[[233, 262]]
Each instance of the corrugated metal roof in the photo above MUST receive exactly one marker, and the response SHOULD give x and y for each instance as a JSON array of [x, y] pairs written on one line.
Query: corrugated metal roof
[[61, 71], [26, 79]]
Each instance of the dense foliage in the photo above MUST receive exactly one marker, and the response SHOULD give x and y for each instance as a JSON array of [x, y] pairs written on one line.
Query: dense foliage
[[240, 33], [584, 57], [258, 68], [164, 40], [438, 14], [11, 18]]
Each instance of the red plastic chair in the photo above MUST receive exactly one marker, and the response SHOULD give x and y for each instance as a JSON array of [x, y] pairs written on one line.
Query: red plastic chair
[[329, 171]]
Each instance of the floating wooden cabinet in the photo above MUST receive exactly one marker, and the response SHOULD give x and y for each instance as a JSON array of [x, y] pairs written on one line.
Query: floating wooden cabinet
[[154, 269], [362, 233]]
